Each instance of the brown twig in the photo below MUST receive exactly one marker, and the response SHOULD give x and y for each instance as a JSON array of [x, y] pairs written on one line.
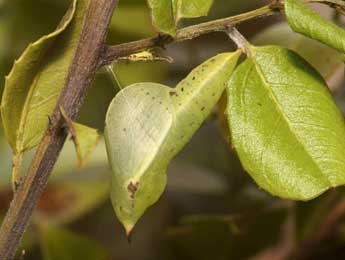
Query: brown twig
[[113, 53], [85, 65]]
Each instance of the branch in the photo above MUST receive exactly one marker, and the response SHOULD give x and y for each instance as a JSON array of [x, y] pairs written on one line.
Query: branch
[[238, 39], [113, 53], [331, 3], [85, 65]]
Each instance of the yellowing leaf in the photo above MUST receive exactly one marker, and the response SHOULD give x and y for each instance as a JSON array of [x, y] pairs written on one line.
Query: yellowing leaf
[[85, 138], [34, 84], [147, 124], [167, 13], [287, 130], [305, 21]]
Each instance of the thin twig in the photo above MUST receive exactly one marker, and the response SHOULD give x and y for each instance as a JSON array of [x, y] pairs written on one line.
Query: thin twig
[[113, 53], [239, 39], [332, 3]]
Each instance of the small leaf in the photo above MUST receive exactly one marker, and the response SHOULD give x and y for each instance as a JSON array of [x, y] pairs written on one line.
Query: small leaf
[[147, 124], [33, 86], [167, 13], [305, 21], [288, 132], [59, 244], [85, 138]]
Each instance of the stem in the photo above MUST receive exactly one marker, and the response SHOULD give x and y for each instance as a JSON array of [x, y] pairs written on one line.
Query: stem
[[332, 3], [113, 53], [16, 168], [114, 78], [239, 40], [83, 70]]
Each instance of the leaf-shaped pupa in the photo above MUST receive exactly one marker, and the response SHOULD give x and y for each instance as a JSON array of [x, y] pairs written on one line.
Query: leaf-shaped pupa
[[147, 124]]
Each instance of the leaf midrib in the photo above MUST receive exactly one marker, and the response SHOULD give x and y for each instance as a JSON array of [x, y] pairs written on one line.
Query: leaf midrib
[[33, 85], [273, 97]]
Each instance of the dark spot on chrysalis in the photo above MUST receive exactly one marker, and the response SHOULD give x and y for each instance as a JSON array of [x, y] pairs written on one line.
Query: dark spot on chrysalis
[[147, 93], [213, 94], [259, 104], [160, 102], [182, 136], [172, 93], [202, 109], [132, 188], [193, 78], [182, 89], [124, 129], [153, 98]]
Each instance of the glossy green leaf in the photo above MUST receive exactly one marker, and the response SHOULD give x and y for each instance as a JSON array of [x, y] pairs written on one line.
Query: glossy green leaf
[[36, 80], [167, 13], [324, 59], [147, 124], [288, 132], [305, 21], [59, 244]]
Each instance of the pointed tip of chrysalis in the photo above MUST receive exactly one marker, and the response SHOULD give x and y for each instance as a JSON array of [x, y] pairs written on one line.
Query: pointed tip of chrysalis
[[129, 233]]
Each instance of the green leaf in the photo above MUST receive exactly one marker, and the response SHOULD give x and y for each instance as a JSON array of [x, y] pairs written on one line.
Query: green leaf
[[167, 13], [147, 124], [85, 138], [288, 132], [305, 21], [324, 59], [33, 86], [59, 244]]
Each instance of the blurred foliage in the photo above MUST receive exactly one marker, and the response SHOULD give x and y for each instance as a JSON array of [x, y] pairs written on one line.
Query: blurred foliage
[[211, 209], [58, 244]]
